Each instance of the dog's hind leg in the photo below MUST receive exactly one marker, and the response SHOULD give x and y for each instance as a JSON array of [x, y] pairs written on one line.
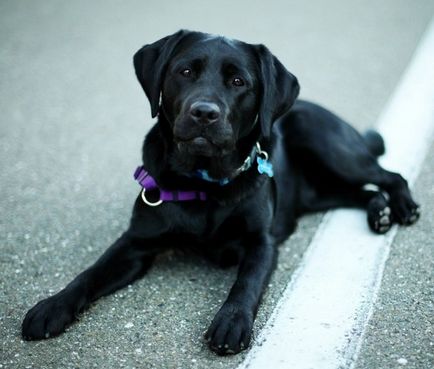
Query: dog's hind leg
[[333, 155], [361, 171], [379, 214], [393, 199]]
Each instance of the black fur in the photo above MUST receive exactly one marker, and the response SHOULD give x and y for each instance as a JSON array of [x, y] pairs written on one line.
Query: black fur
[[245, 95]]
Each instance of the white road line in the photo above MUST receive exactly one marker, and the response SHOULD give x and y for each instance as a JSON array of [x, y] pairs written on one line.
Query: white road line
[[320, 320]]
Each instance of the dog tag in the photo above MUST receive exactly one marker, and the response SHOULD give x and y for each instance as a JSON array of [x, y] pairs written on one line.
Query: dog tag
[[264, 167]]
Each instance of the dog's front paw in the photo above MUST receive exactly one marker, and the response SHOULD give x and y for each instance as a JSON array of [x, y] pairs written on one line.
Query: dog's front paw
[[230, 330], [49, 317]]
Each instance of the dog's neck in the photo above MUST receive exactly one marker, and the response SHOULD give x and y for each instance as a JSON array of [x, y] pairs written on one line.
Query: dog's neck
[[159, 144], [204, 174]]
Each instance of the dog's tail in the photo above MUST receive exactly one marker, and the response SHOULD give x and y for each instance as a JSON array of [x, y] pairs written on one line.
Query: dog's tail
[[375, 142]]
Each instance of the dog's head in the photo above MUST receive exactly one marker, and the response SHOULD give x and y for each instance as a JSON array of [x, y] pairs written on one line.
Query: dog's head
[[213, 92]]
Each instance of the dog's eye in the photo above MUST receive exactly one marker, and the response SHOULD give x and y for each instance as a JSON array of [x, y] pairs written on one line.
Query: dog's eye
[[186, 72], [237, 81]]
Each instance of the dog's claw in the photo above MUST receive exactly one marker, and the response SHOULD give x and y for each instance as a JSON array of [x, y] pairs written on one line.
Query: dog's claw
[[384, 220], [383, 229], [379, 215], [385, 211]]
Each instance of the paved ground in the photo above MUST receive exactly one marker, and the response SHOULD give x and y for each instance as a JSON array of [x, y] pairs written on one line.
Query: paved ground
[[73, 118], [401, 329]]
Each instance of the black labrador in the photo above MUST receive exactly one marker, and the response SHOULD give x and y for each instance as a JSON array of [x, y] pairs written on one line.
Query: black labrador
[[232, 162]]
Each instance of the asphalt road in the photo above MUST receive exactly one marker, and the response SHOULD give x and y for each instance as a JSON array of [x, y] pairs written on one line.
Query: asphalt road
[[72, 123]]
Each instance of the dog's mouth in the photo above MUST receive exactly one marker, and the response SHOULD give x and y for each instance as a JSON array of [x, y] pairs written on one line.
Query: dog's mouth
[[199, 145]]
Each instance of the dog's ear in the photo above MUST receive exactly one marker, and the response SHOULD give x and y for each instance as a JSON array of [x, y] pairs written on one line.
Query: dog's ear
[[278, 86], [150, 63]]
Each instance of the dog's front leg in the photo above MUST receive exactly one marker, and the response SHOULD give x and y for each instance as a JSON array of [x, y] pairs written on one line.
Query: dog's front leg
[[231, 328], [126, 260]]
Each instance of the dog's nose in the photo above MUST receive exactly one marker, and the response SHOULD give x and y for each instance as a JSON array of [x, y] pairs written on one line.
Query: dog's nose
[[205, 112]]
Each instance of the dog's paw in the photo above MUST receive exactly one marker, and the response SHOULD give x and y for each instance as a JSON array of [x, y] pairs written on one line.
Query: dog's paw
[[48, 318], [230, 330], [379, 215], [405, 211]]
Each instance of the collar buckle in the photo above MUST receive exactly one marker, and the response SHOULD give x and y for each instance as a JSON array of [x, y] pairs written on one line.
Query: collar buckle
[[246, 165]]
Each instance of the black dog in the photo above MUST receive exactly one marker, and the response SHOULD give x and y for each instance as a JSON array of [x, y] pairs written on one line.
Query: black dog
[[231, 163]]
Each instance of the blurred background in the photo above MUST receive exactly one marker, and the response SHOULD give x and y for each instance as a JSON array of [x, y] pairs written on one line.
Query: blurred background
[[71, 129]]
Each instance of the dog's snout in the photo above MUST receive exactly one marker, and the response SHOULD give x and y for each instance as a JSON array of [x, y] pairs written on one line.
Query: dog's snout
[[205, 112]]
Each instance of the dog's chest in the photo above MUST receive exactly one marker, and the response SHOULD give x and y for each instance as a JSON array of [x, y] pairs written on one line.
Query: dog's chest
[[202, 221]]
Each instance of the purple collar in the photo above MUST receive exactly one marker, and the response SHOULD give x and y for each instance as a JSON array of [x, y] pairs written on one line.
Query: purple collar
[[148, 183]]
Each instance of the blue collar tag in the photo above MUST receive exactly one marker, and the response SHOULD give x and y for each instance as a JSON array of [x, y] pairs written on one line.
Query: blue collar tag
[[265, 167]]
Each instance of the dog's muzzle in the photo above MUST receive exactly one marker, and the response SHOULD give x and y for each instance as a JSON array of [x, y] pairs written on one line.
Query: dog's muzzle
[[205, 113]]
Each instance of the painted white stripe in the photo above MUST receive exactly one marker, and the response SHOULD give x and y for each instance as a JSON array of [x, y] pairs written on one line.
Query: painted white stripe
[[320, 319]]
